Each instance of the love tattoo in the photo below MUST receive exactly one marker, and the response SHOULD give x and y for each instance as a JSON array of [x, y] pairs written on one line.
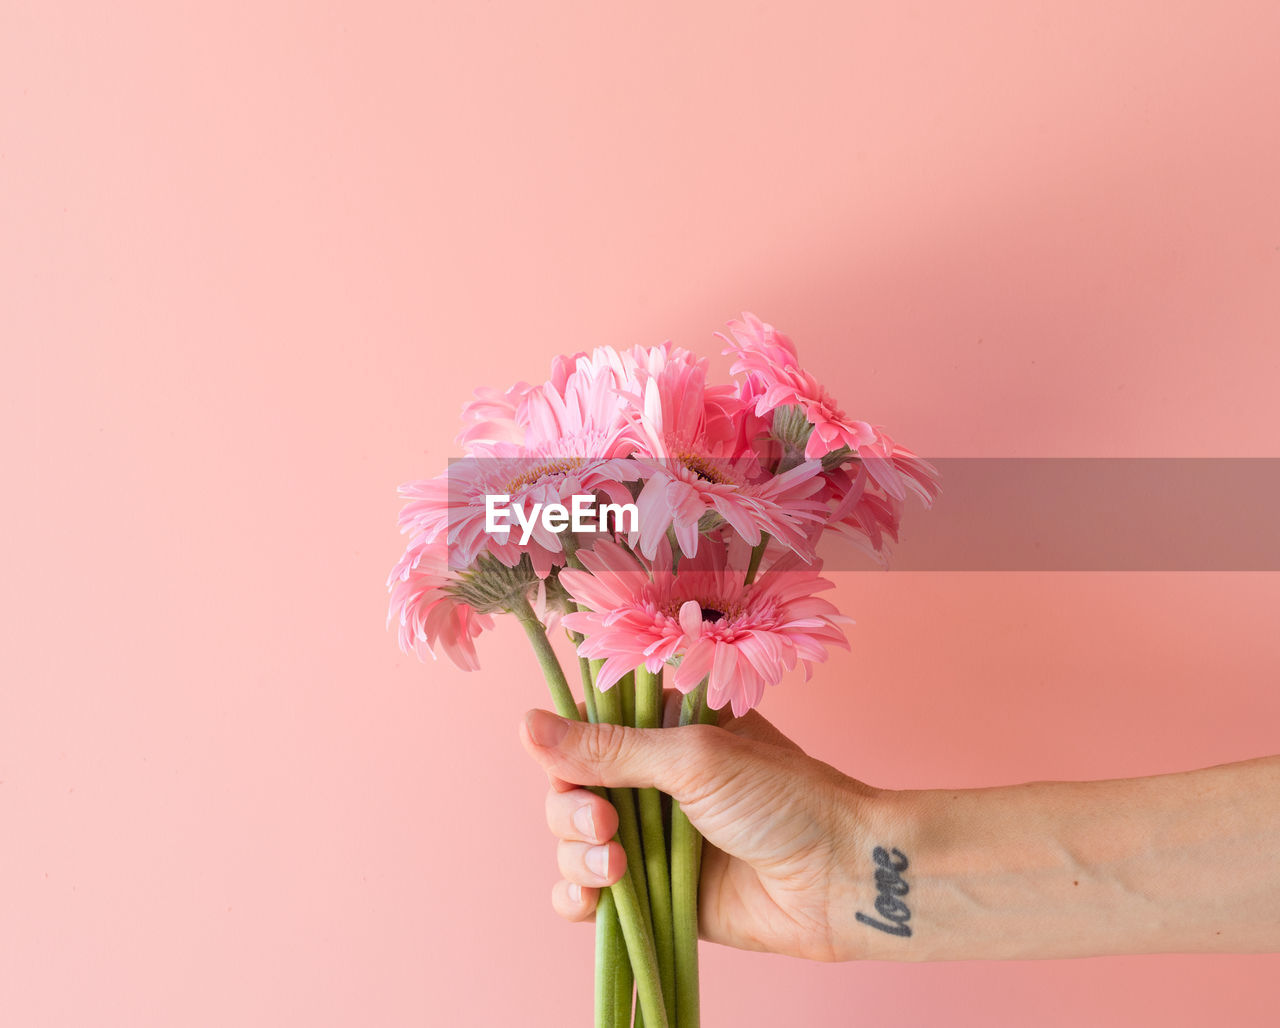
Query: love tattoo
[[890, 888]]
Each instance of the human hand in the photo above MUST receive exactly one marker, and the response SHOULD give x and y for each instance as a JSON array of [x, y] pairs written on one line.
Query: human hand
[[783, 831], [795, 855]]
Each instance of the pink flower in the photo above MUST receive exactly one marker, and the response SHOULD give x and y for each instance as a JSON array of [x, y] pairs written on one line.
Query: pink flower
[[695, 461], [769, 361], [574, 434], [865, 514], [428, 612], [495, 416], [492, 416], [677, 495], [502, 417], [438, 605], [739, 637]]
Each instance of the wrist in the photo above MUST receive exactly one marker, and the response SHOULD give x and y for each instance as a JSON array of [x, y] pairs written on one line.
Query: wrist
[[1032, 871], [1047, 870], [964, 874], [874, 909]]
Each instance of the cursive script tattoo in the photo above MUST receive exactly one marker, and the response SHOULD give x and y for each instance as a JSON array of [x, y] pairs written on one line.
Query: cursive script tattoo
[[891, 889]]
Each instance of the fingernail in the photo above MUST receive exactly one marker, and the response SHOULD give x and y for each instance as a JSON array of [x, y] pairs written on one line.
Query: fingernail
[[546, 729], [584, 822], [575, 892], [598, 860]]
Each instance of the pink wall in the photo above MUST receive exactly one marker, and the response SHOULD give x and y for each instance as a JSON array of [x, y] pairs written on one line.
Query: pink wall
[[256, 254]]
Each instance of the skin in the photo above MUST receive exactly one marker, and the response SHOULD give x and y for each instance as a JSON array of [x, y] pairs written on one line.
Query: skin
[[1170, 863]]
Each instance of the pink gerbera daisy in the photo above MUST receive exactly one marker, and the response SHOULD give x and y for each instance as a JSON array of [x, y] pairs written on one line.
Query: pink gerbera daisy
[[864, 513], [574, 436], [770, 362], [698, 467], [740, 637], [503, 417], [429, 612], [437, 605]]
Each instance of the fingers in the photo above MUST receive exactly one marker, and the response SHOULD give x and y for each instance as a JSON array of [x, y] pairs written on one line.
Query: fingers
[[587, 853], [583, 822], [616, 755], [591, 866], [580, 816], [574, 902], [685, 762]]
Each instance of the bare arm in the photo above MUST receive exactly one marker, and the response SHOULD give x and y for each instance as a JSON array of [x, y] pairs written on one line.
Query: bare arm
[[807, 861], [1186, 862]]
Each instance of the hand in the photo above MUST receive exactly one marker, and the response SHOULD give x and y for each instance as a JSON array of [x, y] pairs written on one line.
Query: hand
[[793, 856], [783, 831]]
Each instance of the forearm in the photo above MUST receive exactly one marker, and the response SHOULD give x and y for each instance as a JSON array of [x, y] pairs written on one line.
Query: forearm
[[1187, 862]]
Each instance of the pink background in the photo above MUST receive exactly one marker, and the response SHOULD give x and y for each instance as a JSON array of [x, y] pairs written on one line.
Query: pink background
[[255, 255]]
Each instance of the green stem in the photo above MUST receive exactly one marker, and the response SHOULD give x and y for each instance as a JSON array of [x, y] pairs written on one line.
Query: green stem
[[637, 934], [686, 860], [637, 929], [623, 992], [627, 692], [644, 961], [657, 870], [609, 954], [611, 948], [611, 703], [757, 552], [588, 692], [561, 695]]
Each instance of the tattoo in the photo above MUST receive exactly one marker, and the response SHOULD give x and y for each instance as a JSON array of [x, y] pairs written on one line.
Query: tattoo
[[891, 889]]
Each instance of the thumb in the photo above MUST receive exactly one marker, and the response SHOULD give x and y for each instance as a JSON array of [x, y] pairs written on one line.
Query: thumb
[[620, 756]]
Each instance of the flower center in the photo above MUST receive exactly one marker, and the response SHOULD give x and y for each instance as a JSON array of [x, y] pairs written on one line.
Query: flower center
[[561, 466], [704, 467], [713, 608]]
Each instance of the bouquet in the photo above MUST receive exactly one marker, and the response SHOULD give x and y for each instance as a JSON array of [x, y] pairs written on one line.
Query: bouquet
[[670, 526]]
